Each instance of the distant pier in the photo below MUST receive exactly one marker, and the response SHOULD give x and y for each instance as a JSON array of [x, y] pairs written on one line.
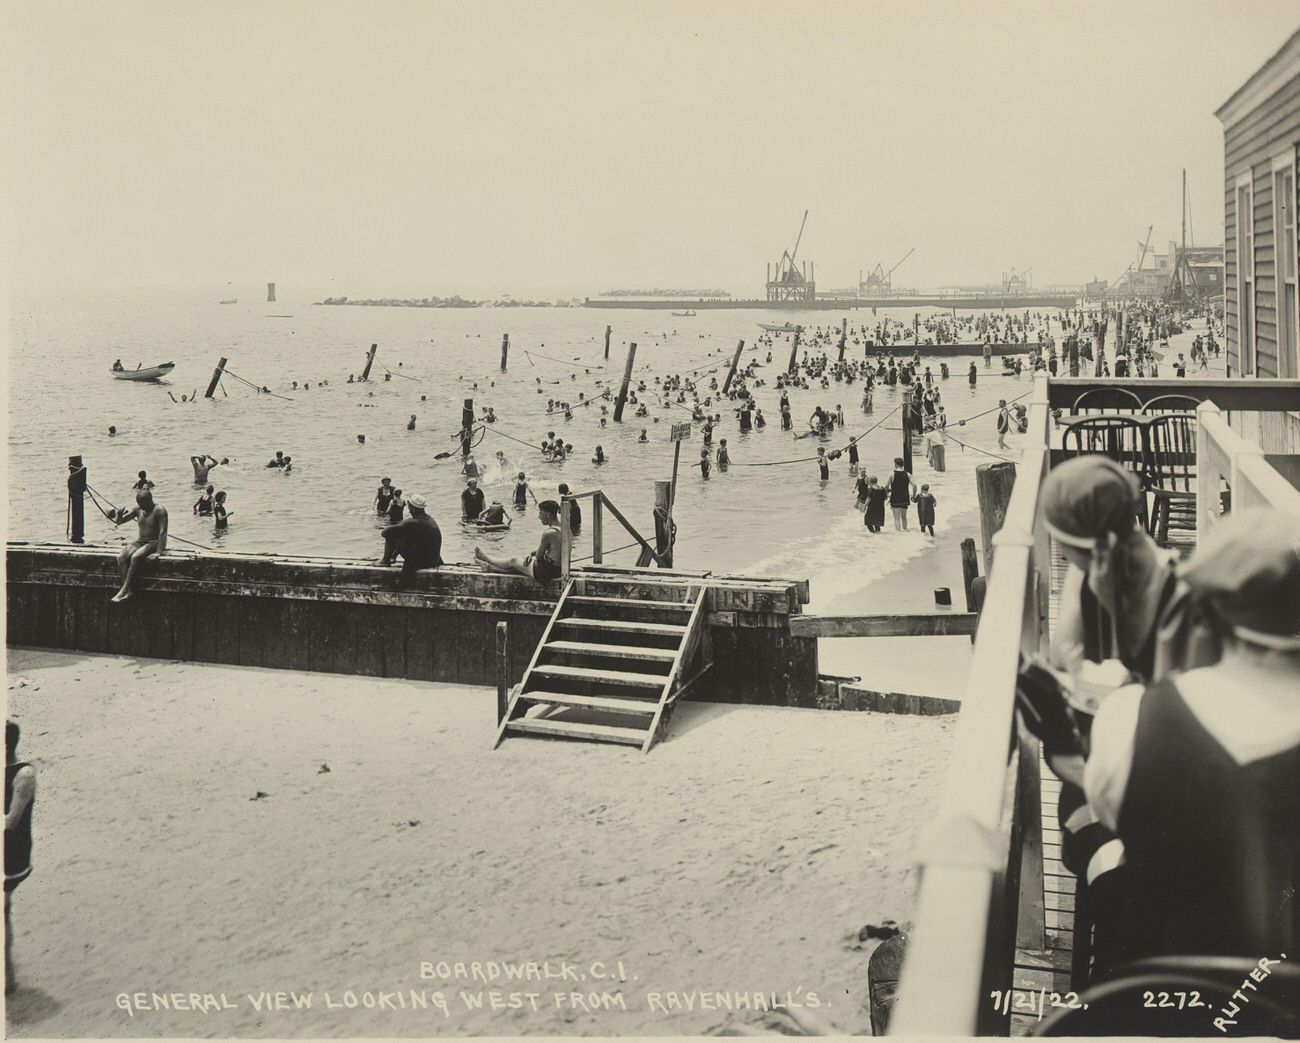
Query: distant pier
[[1010, 303]]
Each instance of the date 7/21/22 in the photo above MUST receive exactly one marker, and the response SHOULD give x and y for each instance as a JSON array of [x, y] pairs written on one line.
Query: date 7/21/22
[[1009, 1001], [1019, 1001]]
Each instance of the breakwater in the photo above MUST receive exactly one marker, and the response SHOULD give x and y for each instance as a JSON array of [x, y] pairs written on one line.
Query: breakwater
[[841, 303], [337, 616]]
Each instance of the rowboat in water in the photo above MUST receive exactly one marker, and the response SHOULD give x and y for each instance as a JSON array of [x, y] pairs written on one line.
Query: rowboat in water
[[787, 328], [684, 314], [144, 373]]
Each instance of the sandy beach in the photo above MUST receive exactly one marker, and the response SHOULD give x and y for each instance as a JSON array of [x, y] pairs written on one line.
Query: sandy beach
[[742, 855]]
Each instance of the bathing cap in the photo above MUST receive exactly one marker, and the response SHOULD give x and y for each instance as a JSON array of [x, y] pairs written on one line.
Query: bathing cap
[[1247, 571], [1087, 497]]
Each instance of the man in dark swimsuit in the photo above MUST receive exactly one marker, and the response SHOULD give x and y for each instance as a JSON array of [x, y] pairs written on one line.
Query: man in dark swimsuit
[[417, 539], [544, 563], [20, 796], [901, 491]]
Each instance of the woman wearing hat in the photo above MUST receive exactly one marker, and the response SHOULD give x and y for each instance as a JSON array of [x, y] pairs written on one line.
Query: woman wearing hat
[[1199, 773], [1125, 616]]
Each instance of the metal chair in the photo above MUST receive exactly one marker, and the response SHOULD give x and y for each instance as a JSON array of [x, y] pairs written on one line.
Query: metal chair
[[1172, 404], [1171, 473], [1119, 438], [1106, 400]]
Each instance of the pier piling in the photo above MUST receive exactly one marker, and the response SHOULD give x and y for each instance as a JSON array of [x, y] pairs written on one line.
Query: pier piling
[[466, 426], [970, 569], [505, 350], [608, 331], [216, 378], [731, 373], [503, 669], [76, 500], [627, 379], [844, 336], [993, 484], [794, 351], [370, 361]]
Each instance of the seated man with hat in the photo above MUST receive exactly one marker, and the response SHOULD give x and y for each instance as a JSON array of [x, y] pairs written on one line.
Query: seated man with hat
[[417, 539]]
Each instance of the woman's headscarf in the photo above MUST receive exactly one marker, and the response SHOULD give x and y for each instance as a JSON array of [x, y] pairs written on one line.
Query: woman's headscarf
[[1090, 501]]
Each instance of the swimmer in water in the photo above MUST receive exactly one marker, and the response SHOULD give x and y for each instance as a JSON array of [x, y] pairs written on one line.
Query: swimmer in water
[[203, 505], [760, 421], [599, 458], [470, 470], [823, 464], [494, 514], [202, 464], [705, 464], [219, 512], [142, 481], [278, 461], [410, 424], [522, 492], [644, 437], [724, 457]]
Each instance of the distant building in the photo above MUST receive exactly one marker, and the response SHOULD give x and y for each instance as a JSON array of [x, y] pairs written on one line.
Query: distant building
[[1095, 288], [1261, 130]]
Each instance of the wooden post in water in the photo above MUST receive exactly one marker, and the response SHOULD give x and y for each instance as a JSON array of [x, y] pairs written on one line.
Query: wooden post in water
[[970, 570], [907, 436], [466, 426], [216, 378], [76, 500], [664, 502], [503, 670], [566, 537], [505, 350], [598, 529], [270, 293], [993, 483], [794, 350], [627, 379], [608, 331], [731, 373], [844, 336], [370, 361]]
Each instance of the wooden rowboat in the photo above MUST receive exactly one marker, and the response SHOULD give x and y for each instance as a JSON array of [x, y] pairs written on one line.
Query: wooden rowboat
[[144, 373], [787, 328]]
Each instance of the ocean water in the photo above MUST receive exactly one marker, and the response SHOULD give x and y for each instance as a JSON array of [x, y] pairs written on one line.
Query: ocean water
[[762, 520]]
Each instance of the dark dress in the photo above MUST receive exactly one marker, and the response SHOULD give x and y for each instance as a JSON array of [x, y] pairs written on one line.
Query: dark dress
[[1212, 846], [875, 515], [18, 841]]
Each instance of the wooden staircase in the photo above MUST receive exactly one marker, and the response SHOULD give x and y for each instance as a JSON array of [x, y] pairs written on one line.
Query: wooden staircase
[[610, 666]]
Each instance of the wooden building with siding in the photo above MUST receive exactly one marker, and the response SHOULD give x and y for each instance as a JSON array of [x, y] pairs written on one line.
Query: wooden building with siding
[[1261, 139]]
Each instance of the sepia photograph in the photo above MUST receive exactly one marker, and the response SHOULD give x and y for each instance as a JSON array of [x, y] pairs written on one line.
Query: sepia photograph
[[651, 519]]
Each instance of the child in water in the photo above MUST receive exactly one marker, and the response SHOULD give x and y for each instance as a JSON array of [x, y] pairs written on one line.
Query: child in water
[[724, 458], [823, 465], [925, 502], [644, 437], [705, 464], [219, 512], [599, 458], [203, 505], [521, 491]]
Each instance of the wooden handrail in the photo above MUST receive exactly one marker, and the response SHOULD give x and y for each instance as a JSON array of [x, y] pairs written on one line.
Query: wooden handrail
[[1264, 394], [1221, 454], [965, 857], [618, 515]]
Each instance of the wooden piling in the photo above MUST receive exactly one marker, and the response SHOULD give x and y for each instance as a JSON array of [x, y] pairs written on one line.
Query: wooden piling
[[993, 484], [76, 500], [466, 426], [907, 436], [503, 670], [627, 379], [216, 378], [664, 501], [598, 529], [505, 350], [794, 350], [970, 569], [844, 336], [731, 373], [608, 331], [566, 537], [370, 361]]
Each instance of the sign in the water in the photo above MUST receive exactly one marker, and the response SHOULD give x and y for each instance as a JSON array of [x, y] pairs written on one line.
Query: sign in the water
[[681, 432]]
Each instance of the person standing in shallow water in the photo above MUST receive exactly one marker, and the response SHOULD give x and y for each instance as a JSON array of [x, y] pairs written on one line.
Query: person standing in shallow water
[[20, 797], [901, 491]]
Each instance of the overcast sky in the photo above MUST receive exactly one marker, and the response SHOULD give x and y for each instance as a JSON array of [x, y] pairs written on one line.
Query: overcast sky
[[568, 148]]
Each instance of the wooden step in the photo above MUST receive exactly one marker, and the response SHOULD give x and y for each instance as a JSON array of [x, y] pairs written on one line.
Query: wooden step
[[607, 703], [659, 655], [622, 626], [574, 730], [612, 677], [683, 607]]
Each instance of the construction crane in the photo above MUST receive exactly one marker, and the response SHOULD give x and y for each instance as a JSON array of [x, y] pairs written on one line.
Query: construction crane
[[1144, 246], [790, 283], [880, 282]]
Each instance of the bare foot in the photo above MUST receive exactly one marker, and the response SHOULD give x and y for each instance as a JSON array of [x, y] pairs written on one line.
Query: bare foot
[[121, 595], [478, 555]]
